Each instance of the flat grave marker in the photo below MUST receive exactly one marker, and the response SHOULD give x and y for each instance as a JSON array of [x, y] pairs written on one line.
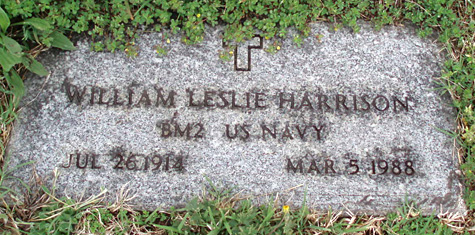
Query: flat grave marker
[[347, 121]]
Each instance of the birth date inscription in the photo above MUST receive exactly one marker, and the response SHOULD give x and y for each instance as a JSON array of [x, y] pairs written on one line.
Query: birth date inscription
[[166, 162]]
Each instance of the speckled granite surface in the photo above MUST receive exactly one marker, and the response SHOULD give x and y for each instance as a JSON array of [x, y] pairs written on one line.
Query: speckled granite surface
[[351, 122]]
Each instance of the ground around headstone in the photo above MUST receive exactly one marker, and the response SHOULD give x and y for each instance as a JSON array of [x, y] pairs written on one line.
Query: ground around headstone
[[347, 121]]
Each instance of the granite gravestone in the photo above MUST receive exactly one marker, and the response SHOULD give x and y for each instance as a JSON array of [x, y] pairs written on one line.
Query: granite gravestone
[[347, 121]]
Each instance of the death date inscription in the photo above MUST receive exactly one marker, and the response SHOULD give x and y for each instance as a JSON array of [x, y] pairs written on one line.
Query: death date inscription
[[395, 161], [396, 167]]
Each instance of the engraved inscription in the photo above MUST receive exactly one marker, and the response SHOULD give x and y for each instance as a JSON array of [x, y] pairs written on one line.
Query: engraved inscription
[[260, 46], [132, 96], [153, 162], [291, 131], [400, 162], [296, 130], [82, 160], [187, 131], [138, 96], [120, 160]]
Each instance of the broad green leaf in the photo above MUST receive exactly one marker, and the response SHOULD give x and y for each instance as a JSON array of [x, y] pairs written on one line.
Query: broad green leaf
[[16, 85], [4, 20], [38, 23], [35, 67], [11, 45], [8, 60], [61, 41]]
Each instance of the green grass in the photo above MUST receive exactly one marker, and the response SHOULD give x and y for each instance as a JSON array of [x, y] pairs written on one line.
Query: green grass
[[224, 215], [29, 26], [216, 213]]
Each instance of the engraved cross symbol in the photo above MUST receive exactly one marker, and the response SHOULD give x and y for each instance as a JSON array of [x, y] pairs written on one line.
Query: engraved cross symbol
[[249, 48]]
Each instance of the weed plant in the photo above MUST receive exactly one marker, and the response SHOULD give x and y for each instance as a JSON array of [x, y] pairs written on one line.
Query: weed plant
[[28, 27]]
